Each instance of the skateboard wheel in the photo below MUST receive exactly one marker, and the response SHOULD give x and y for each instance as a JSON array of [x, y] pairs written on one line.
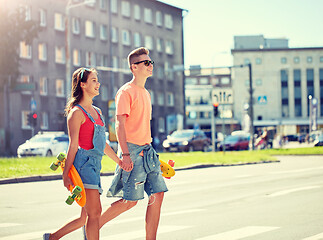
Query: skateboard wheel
[[53, 166], [61, 156], [69, 200], [77, 190]]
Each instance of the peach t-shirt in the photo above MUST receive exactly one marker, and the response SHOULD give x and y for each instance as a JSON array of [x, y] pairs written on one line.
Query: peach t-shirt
[[135, 102]]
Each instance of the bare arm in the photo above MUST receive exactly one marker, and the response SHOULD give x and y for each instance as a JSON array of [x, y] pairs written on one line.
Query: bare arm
[[74, 122], [122, 139]]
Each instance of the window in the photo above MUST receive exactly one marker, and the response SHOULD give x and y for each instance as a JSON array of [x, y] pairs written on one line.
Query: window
[[225, 80], [246, 61], [25, 50], [114, 6], [42, 51], [43, 86], [190, 81], [44, 120], [160, 72], [309, 59], [168, 21], [258, 61], [125, 37], [148, 15], [115, 62], [169, 47], [104, 93], [258, 82], [170, 99], [104, 60], [168, 71], [59, 54], [136, 39], [103, 4], [137, 14], [90, 59], [59, 22], [204, 80], [42, 18], [25, 79], [60, 88], [103, 32], [321, 60], [161, 125], [89, 29], [296, 59], [90, 3], [159, 19], [149, 42], [283, 60], [125, 8], [151, 92], [76, 25], [76, 57], [160, 99], [297, 93], [114, 35], [159, 45]]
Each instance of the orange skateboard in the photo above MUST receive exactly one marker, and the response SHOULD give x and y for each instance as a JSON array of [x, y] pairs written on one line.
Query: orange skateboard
[[78, 192], [167, 168]]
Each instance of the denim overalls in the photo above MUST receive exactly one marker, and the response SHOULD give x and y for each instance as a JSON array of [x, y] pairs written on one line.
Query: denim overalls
[[88, 162]]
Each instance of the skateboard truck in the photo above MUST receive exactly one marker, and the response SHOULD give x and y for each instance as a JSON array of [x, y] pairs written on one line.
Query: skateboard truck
[[76, 195]]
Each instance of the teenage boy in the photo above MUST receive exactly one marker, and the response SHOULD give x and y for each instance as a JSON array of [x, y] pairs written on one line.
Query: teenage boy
[[133, 115]]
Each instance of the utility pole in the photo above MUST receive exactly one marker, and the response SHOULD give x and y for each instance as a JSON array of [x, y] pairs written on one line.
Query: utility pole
[[251, 108]]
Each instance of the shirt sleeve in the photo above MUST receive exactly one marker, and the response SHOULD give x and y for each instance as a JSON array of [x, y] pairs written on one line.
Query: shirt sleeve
[[123, 102]]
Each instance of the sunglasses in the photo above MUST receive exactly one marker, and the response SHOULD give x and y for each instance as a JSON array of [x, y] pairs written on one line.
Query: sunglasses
[[146, 62], [82, 72]]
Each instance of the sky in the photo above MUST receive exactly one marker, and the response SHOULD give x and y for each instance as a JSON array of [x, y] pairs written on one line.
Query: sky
[[210, 25]]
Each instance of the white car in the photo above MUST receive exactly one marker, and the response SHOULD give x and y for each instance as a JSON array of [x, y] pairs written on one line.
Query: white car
[[44, 144]]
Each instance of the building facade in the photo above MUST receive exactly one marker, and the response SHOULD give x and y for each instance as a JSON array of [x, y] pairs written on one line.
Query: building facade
[[101, 35], [199, 86], [283, 81]]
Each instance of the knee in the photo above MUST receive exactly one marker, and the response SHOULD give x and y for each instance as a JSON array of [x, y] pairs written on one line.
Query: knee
[[94, 212], [129, 204]]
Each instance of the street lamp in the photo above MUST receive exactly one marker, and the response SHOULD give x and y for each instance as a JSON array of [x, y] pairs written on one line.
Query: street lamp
[[68, 42]]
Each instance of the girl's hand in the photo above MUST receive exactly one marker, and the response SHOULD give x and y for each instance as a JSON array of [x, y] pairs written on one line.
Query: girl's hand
[[67, 181], [126, 163]]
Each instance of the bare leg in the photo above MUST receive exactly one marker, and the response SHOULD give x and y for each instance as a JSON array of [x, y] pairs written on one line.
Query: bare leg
[[115, 210], [153, 215], [69, 227], [93, 209]]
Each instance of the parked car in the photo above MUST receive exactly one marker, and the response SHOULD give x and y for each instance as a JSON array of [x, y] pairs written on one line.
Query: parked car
[[235, 142], [318, 141], [44, 144], [187, 140], [292, 138]]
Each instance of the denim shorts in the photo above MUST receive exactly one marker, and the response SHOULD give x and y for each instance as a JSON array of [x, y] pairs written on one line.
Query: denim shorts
[[88, 165], [139, 181]]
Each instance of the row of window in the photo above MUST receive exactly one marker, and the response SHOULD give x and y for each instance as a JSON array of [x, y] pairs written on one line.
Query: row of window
[[91, 59], [207, 81], [283, 60], [227, 112], [161, 20], [60, 91]]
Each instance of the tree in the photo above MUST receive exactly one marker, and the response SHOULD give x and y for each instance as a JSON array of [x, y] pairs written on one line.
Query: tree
[[14, 28]]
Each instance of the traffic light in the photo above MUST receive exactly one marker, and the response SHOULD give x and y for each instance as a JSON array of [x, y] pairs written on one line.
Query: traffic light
[[215, 109], [33, 119], [29, 119]]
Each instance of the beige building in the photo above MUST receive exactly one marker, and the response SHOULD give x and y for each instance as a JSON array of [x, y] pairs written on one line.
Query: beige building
[[283, 79]]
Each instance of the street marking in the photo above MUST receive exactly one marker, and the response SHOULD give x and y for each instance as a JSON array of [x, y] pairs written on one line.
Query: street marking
[[239, 233], [285, 192], [162, 215], [297, 170], [141, 233], [27, 236], [4, 225], [243, 176], [315, 237]]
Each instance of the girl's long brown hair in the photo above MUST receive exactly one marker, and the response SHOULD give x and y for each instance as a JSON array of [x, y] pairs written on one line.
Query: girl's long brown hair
[[80, 75]]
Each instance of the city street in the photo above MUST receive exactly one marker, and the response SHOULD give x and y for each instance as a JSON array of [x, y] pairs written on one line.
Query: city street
[[269, 201]]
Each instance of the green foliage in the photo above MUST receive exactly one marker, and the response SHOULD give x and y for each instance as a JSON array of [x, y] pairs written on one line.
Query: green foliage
[[14, 29], [34, 166]]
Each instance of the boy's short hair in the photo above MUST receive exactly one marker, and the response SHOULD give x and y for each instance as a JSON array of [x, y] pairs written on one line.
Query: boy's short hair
[[134, 54]]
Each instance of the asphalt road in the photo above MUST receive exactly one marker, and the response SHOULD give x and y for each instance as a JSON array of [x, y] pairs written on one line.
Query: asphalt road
[[269, 201]]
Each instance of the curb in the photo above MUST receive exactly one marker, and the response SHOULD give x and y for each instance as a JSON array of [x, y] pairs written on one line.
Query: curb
[[59, 176]]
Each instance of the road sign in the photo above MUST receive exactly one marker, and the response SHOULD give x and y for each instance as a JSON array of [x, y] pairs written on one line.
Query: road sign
[[262, 100], [33, 105], [222, 96]]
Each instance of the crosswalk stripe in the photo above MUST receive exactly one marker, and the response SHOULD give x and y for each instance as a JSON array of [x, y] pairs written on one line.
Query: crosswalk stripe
[[142, 234], [239, 233], [26, 236], [4, 225], [315, 237], [284, 192]]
